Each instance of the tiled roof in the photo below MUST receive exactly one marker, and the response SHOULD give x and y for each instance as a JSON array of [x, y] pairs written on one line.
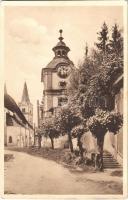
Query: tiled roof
[[11, 105]]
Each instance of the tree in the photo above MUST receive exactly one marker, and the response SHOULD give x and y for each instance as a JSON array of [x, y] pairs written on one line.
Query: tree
[[66, 119], [116, 43], [39, 137], [99, 124], [114, 122], [79, 95], [77, 132], [49, 130], [103, 39]]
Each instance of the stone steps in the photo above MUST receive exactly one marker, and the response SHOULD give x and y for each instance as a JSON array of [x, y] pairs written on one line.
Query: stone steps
[[109, 161]]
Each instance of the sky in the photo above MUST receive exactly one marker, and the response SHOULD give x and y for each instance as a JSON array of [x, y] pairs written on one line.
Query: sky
[[31, 32]]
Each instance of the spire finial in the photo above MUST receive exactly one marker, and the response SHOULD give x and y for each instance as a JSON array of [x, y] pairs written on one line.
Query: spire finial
[[61, 38]]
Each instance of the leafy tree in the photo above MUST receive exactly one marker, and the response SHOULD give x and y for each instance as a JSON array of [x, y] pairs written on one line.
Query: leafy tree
[[66, 119], [99, 124], [74, 82], [86, 71], [77, 132], [39, 137], [114, 122], [49, 130]]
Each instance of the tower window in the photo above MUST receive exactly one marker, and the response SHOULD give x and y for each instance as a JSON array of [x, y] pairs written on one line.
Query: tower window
[[63, 53], [59, 53], [10, 139]]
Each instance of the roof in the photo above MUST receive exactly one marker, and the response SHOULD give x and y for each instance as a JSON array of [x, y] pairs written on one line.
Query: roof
[[11, 105], [25, 96], [57, 61], [62, 45]]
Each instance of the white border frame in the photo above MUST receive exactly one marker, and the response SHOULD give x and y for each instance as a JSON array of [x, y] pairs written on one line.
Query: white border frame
[[125, 100]]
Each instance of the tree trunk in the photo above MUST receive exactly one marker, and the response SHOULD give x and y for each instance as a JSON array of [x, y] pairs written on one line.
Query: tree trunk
[[39, 141], [70, 142], [52, 142], [80, 147], [99, 160]]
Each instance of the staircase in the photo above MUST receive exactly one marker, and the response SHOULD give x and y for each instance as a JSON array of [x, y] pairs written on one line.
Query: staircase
[[109, 161]]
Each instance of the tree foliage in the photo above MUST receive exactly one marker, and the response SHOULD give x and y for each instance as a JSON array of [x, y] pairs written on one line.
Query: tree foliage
[[102, 122], [49, 129], [116, 43], [103, 39], [77, 132], [66, 119]]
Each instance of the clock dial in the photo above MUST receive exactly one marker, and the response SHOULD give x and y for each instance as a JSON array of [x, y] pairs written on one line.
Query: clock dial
[[63, 71]]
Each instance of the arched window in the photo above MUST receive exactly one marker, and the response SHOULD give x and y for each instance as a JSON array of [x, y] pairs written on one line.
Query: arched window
[[10, 139], [59, 53], [63, 53]]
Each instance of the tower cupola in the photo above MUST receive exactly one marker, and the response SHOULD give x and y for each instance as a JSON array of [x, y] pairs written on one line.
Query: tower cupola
[[61, 50]]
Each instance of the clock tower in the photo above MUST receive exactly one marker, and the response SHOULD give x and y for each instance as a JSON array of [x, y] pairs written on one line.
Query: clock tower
[[55, 77]]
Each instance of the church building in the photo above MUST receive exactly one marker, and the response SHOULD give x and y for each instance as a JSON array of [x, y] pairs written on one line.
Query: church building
[[17, 130], [55, 77]]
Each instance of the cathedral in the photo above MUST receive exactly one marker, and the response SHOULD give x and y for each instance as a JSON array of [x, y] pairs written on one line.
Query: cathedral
[[55, 77]]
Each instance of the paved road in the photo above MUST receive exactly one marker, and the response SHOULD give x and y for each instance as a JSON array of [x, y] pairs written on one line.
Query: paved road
[[27, 174]]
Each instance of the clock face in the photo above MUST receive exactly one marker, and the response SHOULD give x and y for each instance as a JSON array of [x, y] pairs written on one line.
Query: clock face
[[63, 71]]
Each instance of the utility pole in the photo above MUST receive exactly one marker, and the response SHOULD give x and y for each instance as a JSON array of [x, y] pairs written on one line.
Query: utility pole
[[34, 134]]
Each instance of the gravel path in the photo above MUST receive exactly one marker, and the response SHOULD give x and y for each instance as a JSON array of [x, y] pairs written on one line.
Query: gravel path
[[26, 174]]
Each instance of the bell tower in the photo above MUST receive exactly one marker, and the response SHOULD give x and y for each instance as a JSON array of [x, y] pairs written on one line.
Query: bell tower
[[26, 106], [55, 77]]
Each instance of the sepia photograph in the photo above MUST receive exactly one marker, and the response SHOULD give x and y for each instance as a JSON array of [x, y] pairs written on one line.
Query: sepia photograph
[[64, 94]]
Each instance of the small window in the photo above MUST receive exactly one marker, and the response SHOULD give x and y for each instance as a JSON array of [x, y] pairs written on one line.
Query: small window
[[23, 110], [62, 101], [63, 53], [10, 139], [59, 53], [62, 84]]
